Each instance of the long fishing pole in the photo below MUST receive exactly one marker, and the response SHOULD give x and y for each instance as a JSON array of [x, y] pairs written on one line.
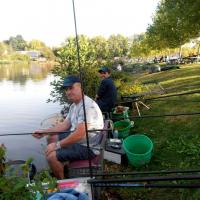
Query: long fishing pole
[[146, 172], [166, 115], [80, 75], [172, 100], [135, 96], [146, 185], [173, 95], [146, 179], [51, 133]]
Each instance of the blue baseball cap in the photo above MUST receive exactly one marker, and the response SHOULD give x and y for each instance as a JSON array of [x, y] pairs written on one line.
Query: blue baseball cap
[[69, 81], [104, 69]]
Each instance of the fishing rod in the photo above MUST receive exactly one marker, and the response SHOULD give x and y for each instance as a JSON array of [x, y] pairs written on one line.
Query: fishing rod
[[166, 115], [136, 96], [173, 95], [147, 185], [51, 133], [146, 179], [82, 86], [130, 103], [172, 100], [146, 172]]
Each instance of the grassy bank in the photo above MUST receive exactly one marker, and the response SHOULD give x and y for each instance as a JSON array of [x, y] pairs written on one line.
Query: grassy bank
[[176, 139], [6, 62]]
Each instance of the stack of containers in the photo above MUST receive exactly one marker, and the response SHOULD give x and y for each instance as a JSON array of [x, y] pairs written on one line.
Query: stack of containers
[[122, 124]]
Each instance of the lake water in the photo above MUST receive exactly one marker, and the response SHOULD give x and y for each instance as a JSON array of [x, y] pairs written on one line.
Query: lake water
[[24, 90]]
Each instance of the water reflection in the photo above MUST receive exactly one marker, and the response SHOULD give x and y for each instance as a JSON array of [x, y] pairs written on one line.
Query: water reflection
[[24, 92], [21, 72]]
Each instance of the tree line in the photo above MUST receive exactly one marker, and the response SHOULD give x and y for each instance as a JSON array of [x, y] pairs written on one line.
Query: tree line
[[94, 53], [175, 22], [10, 47]]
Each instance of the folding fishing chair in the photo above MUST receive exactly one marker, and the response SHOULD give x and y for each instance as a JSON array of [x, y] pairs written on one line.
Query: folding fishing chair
[[80, 168]]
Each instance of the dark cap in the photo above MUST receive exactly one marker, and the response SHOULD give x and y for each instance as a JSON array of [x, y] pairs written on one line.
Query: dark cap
[[69, 81], [104, 69]]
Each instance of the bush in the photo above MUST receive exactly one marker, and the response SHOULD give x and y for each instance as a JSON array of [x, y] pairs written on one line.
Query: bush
[[129, 89], [20, 57], [17, 187]]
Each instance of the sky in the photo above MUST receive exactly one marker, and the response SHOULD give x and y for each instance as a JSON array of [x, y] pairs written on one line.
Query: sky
[[52, 21]]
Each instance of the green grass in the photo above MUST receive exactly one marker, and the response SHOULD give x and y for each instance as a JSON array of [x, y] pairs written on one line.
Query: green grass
[[184, 79], [176, 139], [5, 62]]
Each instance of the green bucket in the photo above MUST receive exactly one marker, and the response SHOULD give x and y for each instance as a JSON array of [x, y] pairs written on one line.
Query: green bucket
[[123, 127], [139, 149], [119, 116]]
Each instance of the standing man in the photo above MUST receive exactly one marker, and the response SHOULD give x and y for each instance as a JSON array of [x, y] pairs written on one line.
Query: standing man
[[72, 146], [107, 93]]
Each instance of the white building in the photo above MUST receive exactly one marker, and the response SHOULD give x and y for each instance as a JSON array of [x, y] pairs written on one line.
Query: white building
[[34, 55]]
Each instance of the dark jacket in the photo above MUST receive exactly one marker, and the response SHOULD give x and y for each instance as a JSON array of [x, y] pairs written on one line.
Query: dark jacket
[[107, 95]]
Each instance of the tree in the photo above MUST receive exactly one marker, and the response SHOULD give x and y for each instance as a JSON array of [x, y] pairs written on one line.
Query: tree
[[36, 45], [3, 49], [139, 46], [118, 46], [40, 46], [175, 22], [99, 46], [17, 43], [68, 64]]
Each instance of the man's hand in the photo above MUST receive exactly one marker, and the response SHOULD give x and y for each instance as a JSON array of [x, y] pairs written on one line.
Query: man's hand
[[39, 134], [51, 147]]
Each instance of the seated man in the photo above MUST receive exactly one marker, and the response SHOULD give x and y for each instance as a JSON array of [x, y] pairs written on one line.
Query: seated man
[[107, 93], [63, 147]]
